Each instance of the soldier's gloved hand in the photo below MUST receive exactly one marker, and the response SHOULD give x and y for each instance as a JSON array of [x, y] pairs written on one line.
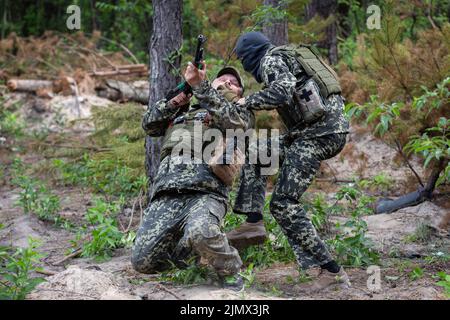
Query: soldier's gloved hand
[[180, 100], [195, 76]]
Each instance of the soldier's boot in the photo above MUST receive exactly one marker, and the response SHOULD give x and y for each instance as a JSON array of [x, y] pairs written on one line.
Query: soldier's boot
[[233, 282], [327, 279], [247, 234]]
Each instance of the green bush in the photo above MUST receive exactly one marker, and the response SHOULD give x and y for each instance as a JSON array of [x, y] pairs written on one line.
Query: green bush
[[101, 234], [36, 198], [103, 176], [350, 244], [444, 281], [15, 269]]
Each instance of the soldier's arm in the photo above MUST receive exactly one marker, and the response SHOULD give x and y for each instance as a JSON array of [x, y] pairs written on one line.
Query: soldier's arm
[[158, 116], [225, 114], [279, 85]]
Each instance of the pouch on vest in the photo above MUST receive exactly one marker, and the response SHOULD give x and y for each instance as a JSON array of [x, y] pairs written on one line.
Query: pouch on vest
[[227, 161], [308, 101]]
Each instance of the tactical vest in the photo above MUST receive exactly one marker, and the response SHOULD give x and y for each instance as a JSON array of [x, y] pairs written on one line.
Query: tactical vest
[[185, 121], [314, 66]]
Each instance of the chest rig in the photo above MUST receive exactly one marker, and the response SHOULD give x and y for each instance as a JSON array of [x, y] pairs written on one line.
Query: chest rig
[[186, 121], [316, 81]]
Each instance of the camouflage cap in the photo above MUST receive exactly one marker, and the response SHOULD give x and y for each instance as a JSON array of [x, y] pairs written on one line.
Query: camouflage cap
[[233, 71]]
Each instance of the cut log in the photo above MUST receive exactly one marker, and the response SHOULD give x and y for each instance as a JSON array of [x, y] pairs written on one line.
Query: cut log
[[28, 85], [139, 69], [118, 90]]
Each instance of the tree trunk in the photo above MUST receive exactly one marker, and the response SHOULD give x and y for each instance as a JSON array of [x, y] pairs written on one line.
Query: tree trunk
[[276, 30], [166, 38], [325, 8]]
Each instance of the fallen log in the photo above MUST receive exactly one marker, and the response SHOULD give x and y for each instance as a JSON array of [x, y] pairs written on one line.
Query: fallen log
[[28, 85], [140, 69], [118, 90], [387, 205]]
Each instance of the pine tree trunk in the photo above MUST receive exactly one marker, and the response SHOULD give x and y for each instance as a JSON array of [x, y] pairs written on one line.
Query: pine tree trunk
[[166, 38], [325, 8], [276, 31]]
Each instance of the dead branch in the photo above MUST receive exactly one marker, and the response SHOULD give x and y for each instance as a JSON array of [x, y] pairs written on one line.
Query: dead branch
[[70, 256], [160, 286], [46, 272]]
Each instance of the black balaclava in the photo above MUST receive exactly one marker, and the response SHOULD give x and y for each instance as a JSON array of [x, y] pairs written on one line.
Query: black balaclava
[[250, 48]]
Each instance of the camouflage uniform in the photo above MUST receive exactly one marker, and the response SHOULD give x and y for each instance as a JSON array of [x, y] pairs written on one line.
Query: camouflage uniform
[[188, 202], [302, 150]]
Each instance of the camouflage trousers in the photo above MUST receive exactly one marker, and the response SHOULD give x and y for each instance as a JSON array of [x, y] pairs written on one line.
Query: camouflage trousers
[[300, 162], [176, 226]]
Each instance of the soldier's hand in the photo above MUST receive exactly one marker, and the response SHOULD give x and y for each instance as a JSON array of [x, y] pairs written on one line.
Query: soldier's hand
[[241, 101], [180, 100], [194, 76]]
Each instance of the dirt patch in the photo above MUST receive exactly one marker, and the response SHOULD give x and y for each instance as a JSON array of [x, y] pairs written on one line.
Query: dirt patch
[[366, 156], [403, 230], [285, 280], [76, 283]]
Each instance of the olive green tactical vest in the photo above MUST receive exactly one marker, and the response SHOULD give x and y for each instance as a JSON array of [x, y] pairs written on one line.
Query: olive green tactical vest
[[187, 124], [314, 66]]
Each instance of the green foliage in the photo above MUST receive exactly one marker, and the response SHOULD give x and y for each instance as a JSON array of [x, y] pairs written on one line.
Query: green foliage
[[416, 274], [444, 281], [434, 144], [103, 176], [119, 133], [266, 15], [351, 245], [192, 273], [388, 122], [36, 198], [15, 269], [101, 234], [319, 216], [10, 124], [380, 182], [275, 249]]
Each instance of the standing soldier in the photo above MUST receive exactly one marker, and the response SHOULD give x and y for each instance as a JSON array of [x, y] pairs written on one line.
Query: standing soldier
[[189, 200], [306, 93]]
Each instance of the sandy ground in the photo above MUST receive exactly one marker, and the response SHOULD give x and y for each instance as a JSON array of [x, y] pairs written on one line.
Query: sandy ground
[[115, 279]]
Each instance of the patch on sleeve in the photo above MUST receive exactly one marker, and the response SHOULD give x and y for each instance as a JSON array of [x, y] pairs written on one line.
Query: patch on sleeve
[[271, 77]]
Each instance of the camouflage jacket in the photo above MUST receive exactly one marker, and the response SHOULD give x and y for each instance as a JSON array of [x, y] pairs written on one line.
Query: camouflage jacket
[[277, 72], [182, 177]]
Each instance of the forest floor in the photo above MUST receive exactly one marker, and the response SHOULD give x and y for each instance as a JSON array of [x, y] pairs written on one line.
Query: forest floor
[[408, 267]]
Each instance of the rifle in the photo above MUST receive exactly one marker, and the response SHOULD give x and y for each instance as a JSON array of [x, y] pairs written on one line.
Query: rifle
[[184, 86]]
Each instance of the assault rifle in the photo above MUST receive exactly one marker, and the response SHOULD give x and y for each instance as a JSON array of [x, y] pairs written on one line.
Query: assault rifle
[[184, 86]]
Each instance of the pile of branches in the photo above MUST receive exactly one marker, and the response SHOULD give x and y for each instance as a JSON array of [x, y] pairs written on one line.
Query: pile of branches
[[71, 64]]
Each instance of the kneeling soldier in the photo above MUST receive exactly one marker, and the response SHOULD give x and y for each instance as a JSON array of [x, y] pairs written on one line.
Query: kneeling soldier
[[189, 200]]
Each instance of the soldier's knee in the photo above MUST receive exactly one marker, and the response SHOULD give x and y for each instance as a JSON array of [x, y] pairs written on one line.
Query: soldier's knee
[[202, 237]]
